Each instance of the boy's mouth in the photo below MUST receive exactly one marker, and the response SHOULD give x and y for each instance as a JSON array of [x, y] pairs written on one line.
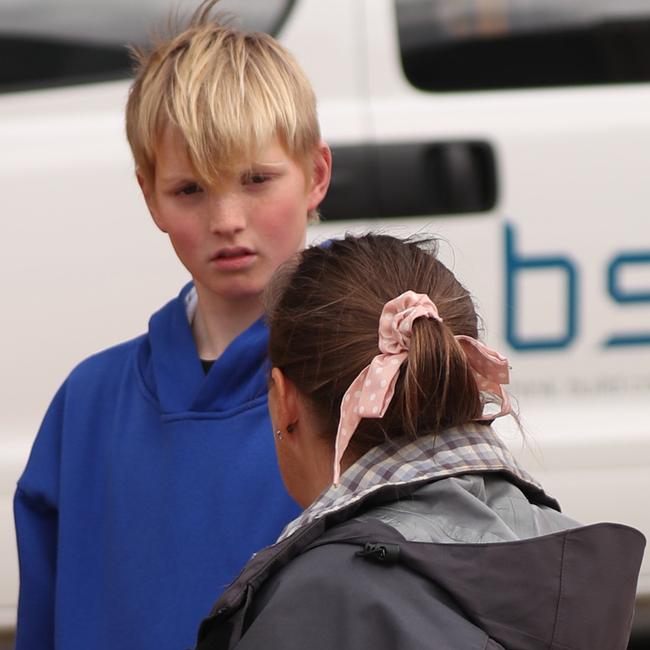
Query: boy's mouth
[[233, 258]]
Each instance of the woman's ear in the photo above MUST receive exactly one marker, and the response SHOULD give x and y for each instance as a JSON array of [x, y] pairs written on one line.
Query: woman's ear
[[321, 175], [146, 185], [283, 402]]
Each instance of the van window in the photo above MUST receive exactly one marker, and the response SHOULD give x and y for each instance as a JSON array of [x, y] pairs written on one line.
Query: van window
[[488, 44], [45, 43]]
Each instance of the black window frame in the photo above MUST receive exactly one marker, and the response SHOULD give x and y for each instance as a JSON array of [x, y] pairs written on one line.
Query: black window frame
[[35, 62], [575, 54]]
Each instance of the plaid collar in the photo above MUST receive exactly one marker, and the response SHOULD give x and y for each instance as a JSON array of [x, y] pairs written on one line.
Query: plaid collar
[[468, 449]]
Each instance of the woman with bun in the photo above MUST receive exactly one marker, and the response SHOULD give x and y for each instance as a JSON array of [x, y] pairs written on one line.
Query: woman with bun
[[420, 529]]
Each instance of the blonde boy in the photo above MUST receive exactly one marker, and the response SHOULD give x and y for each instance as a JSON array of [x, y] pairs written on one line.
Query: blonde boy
[[153, 478]]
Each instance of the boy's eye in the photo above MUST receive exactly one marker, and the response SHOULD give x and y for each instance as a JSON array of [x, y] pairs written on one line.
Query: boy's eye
[[255, 178], [189, 189]]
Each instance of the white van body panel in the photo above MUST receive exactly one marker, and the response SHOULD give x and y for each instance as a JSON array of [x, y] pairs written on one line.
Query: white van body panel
[[573, 182], [84, 266]]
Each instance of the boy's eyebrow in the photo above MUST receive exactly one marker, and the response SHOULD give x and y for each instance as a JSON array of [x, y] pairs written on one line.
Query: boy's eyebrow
[[274, 163], [171, 179]]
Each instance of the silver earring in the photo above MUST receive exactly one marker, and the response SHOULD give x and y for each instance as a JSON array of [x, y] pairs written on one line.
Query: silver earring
[[278, 434]]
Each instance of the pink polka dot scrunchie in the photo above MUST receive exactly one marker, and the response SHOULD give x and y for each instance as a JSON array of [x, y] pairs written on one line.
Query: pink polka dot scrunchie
[[372, 391]]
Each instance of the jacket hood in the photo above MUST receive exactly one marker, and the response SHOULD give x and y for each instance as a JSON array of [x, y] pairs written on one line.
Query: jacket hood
[[172, 373], [567, 590], [572, 590]]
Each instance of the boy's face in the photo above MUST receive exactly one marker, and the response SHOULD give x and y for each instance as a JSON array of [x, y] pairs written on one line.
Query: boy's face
[[231, 238]]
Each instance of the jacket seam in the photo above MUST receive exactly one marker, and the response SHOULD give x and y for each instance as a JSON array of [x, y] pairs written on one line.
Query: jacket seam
[[533, 637], [560, 593]]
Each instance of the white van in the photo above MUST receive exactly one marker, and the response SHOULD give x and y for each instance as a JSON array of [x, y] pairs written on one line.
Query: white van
[[518, 131]]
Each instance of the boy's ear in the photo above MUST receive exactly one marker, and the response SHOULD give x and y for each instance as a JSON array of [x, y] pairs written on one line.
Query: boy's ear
[[148, 194], [321, 175]]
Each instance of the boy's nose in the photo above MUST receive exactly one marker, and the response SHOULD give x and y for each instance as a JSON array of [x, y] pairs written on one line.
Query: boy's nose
[[227, 214]]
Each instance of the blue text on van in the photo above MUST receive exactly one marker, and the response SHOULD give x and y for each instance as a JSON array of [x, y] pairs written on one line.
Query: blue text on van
[[517, 263]]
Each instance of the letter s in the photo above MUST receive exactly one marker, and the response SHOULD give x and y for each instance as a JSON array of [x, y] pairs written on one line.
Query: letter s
[[627, 297]]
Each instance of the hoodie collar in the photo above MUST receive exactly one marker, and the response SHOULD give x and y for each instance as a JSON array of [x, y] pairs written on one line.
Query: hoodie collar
[[172, 369]]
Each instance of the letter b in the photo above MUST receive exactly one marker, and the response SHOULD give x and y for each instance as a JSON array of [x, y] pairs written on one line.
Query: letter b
[[516, 264]]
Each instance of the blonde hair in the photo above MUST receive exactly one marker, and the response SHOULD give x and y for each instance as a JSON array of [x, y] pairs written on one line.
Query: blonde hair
[[228, 92]]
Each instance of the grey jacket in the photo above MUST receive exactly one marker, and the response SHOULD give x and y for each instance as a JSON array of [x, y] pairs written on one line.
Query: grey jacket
[[479, 560]]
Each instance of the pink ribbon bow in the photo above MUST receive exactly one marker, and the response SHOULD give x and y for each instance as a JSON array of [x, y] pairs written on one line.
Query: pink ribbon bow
[[371, 392], [490, 370]]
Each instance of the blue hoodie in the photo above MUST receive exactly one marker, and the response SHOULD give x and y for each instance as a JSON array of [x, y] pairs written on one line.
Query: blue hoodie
[[148, 488]]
